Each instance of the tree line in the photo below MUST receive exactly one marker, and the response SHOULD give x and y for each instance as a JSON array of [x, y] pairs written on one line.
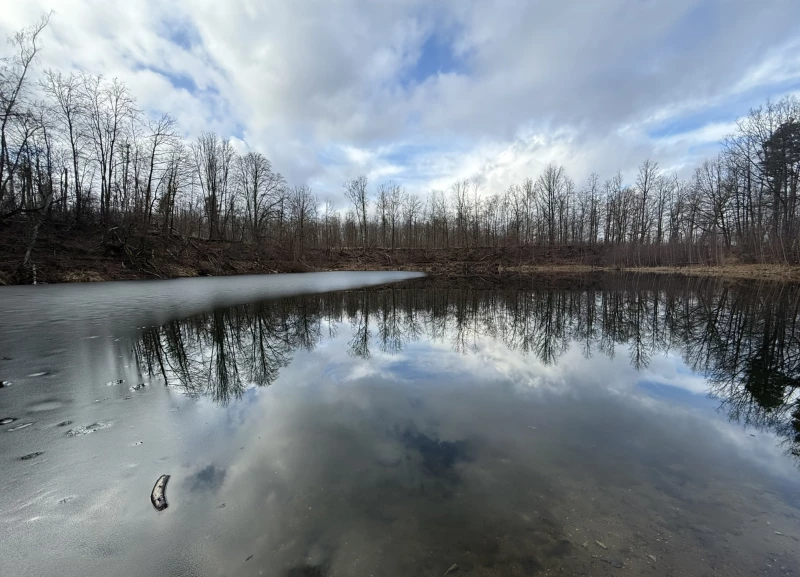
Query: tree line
[[75, 150], [744, 339]]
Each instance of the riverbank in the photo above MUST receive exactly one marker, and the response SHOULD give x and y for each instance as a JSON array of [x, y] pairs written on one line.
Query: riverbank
[[764, 272], [71, 255]]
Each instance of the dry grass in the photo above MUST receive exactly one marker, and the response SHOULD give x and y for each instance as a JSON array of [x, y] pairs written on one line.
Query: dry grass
[[83, 276], [552, 269], [772, 272]]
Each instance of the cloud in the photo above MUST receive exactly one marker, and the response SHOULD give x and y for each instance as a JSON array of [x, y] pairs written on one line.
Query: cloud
[[427, 93], [209, 478]]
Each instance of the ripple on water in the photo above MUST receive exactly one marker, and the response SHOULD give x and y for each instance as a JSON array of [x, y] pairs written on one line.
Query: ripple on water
[[30, 456], [18, 427], [46, 405], [79, 431]]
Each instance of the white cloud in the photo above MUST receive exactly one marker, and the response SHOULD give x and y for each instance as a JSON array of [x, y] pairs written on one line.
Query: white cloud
[[578, 84]]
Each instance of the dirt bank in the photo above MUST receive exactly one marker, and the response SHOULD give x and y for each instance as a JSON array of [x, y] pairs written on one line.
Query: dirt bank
[[81, 255]]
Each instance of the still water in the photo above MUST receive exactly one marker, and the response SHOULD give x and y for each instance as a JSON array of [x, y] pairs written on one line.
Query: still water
[[314, 425]]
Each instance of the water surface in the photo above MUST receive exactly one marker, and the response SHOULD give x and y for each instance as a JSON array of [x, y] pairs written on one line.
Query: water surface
[[620, 426]]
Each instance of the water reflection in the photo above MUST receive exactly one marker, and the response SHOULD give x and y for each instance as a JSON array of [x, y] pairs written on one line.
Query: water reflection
[[744, 338], [530, 429]]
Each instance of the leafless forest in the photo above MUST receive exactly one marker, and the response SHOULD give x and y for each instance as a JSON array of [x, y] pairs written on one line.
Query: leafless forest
[[77, 154]]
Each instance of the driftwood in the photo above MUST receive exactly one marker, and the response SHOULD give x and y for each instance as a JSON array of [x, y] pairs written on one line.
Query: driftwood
[[158, 496]]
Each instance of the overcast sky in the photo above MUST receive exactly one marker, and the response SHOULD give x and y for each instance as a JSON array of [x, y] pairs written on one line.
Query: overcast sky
[[428, 92]]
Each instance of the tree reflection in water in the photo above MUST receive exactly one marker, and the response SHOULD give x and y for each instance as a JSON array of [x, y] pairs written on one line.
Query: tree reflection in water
[[743, 338]]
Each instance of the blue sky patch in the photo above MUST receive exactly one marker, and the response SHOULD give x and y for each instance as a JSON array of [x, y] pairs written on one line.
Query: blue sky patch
[[694, 120], [179, 81], [437, 56], [699, 22], [677, 395], [731, 109], [183, 34]]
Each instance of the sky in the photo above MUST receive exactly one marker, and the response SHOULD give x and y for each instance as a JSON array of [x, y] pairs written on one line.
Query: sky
[[427, 93]]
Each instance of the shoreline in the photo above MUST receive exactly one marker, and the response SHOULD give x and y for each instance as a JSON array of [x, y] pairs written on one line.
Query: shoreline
[[765, 272], [68, 256], [737, 272]]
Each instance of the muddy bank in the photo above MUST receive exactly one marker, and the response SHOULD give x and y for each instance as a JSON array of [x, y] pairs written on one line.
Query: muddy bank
[[64, 254]]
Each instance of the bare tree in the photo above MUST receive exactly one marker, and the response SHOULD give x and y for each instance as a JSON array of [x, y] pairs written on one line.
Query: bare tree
[[356, 193], [394, 206], [15, 115], [665, 187], [646, 182], [109, 106], [303, 207], [412, 208], [174, 178], [213, 158], [261, 188], [70, 110], [160, 138], [382, 211], [460, 195], [551, 186]]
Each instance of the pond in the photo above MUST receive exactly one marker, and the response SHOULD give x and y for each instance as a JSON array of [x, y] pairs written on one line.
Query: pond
[[383, 424]]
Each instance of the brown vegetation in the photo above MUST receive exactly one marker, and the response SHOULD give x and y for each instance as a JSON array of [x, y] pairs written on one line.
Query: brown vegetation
[[64, 254]]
